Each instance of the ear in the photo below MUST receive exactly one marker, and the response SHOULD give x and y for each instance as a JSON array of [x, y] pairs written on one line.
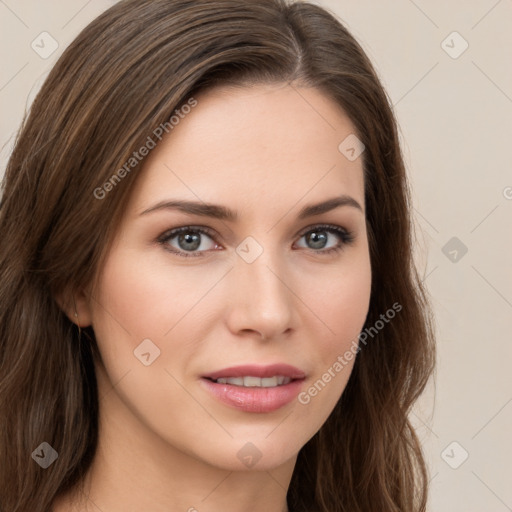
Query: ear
[[76, 306]]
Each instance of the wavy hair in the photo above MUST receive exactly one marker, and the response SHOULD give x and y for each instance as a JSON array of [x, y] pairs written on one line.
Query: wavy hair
[[123, 76]]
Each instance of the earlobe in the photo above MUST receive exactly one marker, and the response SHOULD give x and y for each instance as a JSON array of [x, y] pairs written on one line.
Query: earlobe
[[76, 307]]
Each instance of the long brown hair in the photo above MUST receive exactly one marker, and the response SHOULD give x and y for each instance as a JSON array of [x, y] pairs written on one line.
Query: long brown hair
[[122, 77]]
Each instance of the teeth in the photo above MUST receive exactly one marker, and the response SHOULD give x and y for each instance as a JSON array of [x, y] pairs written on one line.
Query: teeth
[[255, 382], [236, 381]]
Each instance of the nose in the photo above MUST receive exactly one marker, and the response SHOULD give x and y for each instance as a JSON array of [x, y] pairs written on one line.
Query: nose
[[261, 299]]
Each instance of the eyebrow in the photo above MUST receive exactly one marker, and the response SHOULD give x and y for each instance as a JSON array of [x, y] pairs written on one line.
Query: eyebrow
[[223, 213]]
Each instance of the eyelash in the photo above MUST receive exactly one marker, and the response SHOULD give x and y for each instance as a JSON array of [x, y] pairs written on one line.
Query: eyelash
[[347, 238]]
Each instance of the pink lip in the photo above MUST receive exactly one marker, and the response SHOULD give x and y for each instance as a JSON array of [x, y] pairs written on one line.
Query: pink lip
[[258, 371], [255, 399]]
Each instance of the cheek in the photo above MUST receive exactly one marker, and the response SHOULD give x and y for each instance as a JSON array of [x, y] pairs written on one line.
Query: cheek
[[137, 300], [140, 299], [340, 297], [340, 302], [143, 299]]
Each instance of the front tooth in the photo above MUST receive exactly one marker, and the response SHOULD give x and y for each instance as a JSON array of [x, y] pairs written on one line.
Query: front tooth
[[251, 382], [280, 380], [235, 381], [269, 382]]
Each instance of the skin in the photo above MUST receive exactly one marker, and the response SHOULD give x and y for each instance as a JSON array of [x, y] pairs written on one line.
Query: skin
[[164, 440]]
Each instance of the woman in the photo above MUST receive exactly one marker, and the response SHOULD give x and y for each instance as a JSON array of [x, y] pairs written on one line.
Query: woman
[[208, 295]]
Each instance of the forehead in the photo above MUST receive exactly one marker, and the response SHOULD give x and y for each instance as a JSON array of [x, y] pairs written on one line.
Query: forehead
[[250, 146]]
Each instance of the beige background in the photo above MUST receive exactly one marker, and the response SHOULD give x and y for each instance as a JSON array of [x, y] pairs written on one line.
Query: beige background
[[455, 113]]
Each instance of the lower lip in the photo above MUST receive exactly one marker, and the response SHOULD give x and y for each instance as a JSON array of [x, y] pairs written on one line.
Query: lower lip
[[254, 399]]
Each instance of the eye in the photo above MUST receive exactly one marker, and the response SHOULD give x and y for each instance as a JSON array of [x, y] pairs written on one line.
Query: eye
[[188, 241], [317, 238]]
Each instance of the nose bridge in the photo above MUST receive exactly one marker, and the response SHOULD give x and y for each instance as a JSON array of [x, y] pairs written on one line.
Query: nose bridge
[[263, 300]]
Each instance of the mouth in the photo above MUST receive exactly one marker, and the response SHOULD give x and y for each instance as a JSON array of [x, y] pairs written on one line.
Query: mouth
[[257, 389]]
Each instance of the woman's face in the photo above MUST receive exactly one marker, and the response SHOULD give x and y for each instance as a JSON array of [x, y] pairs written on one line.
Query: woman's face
[[258, 283]]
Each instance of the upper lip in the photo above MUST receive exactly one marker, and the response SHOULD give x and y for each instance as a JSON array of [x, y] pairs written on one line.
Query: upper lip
[[252, 370]]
